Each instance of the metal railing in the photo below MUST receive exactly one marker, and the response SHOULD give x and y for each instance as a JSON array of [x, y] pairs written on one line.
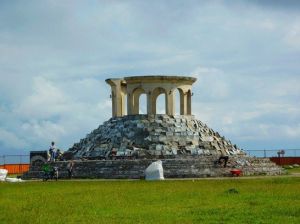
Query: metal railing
[[15, 164], [25, 159], [14, 159], [274, 152], [264, 153]]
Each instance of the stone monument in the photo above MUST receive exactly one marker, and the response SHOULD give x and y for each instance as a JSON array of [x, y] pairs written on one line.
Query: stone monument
[[152, 135], [125, 145]]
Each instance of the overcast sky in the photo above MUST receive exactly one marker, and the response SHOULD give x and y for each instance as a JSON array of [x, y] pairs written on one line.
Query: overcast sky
[[55, 56]]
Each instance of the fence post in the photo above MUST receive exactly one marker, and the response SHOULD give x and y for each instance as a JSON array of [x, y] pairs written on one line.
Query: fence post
[[265, 153], [20, 164]]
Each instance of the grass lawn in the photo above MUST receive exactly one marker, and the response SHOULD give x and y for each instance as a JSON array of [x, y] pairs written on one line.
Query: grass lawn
[[261, 200], [293, 170]]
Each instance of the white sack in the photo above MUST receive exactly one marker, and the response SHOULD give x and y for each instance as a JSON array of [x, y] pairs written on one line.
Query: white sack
[[3, 174], [155, 171], [13, 179]]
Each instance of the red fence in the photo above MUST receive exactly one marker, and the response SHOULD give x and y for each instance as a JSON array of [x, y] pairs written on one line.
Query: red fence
[[268, 153], [285, 160], [15, 168]]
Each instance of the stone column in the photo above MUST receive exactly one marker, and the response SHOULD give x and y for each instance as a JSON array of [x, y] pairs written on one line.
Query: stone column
[[116, 97], [130, 103], [189, 102], [170, 110], [183, 103], [153, 103], [136, 103], [150, 103], [123, 95]]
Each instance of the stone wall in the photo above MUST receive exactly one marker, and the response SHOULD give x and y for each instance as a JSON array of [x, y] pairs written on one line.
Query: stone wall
[[189, 167]]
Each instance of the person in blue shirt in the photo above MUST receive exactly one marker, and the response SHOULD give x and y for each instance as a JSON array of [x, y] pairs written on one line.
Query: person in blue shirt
[[52, 151]]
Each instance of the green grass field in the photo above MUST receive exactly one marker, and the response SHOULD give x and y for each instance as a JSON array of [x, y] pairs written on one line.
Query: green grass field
[[293, 170], [261, 200]]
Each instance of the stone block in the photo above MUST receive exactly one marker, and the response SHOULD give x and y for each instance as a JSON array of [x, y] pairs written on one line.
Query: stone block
[[149, 129], [200, 151], [140, 125], [158, 130], [159, 147], [206, 152], [157, 152], [193, 151], [207, 138], [169, 133], [166, 147], [182, 143], [167, 152], [178, 125], [155, 138], [152, 147], [162, 138]]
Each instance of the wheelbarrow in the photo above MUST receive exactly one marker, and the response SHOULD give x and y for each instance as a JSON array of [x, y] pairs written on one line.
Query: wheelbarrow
[[236, 172]]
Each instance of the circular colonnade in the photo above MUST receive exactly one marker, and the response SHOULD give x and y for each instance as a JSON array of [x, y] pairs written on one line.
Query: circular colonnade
[[153, 86]]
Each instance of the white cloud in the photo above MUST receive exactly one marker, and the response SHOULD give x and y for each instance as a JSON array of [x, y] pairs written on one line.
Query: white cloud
[[46, 100], [286, 88], [44, 130], [292, 38], [54, 59], [257, 110], [292, 131], [60, 110], [201, 72], [267, 24], [11, 140], [212, 82]]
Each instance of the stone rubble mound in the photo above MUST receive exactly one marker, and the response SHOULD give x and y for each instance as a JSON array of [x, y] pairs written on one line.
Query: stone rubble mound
[[152, 136]]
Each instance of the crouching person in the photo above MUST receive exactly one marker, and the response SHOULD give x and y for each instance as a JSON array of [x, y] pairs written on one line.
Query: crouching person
[[223, 158], [46, 171], [70, 168], [54, 173]]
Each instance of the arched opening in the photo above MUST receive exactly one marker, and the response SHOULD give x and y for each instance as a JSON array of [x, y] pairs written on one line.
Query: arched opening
[[159, 101], [177, 101], [143, 104], [135, 98], [161, 104]]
